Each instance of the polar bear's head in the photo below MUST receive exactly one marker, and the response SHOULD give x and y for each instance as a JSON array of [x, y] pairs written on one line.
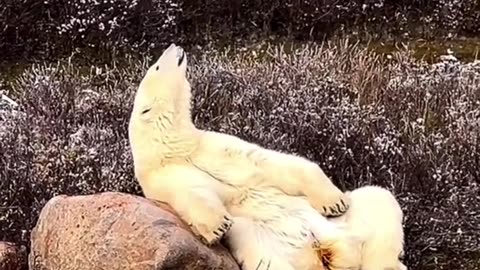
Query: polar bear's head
[[164, 91]]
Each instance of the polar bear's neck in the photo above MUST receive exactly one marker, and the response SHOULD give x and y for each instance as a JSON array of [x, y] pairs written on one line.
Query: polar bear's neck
[[170, 135]]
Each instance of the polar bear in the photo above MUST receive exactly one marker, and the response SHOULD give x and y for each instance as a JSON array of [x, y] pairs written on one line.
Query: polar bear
[[215, 180], [376, 218]]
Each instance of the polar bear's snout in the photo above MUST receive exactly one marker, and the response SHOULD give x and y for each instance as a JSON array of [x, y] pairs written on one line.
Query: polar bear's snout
[[173, 55], [180, 55]]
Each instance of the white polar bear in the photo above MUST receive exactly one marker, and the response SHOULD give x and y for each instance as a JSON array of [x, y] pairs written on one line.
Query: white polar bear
[[376, 217], [215, 180]]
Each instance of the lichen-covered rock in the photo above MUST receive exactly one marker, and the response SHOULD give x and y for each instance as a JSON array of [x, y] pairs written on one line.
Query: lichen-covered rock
[[11, 256], [118, 231]]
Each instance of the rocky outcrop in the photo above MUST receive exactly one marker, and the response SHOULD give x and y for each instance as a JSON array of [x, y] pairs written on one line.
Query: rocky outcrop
[[118, 231]]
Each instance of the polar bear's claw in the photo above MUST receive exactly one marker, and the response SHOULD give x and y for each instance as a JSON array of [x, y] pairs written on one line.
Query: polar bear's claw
[[335, 209], [343, 206], [315, 243], [221, 230]]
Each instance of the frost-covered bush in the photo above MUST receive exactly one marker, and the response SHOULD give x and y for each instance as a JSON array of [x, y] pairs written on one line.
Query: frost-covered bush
[[68, 137], [60, 27], [315, 19], [131, 23], [382, 18], [405, 125], [454, 16], [50, 27]]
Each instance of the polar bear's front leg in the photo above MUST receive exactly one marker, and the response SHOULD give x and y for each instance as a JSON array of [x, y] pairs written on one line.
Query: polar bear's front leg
[[191, 194], [205, 213], [299, 176], [242, 163]]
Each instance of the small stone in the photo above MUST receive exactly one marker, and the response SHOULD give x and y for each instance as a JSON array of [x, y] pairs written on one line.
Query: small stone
[[11, 256]]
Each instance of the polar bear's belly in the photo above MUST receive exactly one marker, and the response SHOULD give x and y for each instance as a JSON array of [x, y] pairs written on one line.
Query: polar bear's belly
[[276, 212], [280, 224]]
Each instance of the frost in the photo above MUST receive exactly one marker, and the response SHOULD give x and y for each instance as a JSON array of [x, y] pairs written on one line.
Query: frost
[[414, 129], [109, 18]]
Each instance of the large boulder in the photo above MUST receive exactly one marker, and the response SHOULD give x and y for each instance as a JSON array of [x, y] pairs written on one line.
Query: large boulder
[[118, 231]]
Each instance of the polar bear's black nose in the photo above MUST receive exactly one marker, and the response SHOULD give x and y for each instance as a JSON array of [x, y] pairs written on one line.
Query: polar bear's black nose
[[180, 55]]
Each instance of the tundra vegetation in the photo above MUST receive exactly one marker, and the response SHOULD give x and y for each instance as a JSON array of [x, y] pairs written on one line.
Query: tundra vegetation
[[291, 75]]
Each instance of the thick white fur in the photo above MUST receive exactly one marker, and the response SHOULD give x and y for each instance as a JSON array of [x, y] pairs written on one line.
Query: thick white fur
[[376, 217], [272, 230], [270, 205]]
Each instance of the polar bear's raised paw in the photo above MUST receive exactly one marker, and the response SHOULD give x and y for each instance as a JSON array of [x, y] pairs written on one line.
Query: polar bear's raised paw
[[334, 206], [224, 227], [219, 232]]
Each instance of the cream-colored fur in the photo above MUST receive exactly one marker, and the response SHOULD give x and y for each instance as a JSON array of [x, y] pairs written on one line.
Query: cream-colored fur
[[214, 180], [285, 232], [376, 217]]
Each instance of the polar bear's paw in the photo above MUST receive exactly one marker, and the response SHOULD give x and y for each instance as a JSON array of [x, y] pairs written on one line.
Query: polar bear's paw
[[214, 236], [223, 228], [333, 206], [321, 192]]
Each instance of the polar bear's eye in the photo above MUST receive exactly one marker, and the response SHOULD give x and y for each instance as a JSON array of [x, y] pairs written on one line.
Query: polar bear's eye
[[156, 68], [146, 111]]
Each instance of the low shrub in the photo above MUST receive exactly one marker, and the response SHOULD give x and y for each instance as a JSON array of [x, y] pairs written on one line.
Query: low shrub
[[405, 125], [32, 29], [46, 28]]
